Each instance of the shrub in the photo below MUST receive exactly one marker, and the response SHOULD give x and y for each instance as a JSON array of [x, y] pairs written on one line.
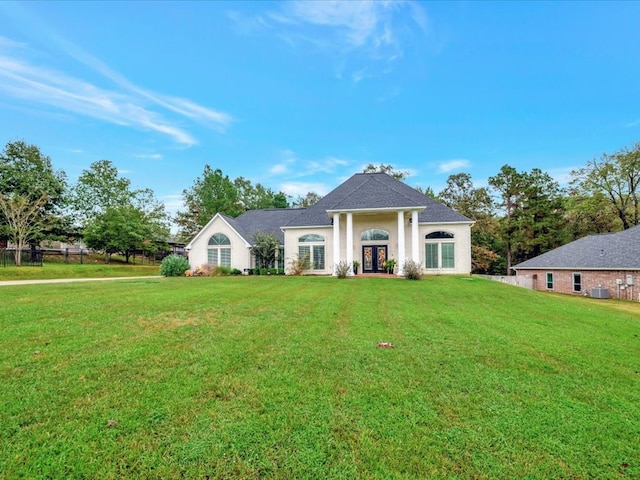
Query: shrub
[[412, 270], [273, 271], [235, 271], [220, 271], [281, 271], [174, 266], [299, 265], [342, 269]]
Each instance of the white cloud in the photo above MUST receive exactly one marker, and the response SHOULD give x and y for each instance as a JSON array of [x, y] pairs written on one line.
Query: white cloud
[[127, 105], [451, 165], [152, 156], [562, 175], [635, 123], [365, 36], [302, 188]]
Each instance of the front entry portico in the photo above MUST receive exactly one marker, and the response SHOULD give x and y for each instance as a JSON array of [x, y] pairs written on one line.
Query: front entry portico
[[373, 258]]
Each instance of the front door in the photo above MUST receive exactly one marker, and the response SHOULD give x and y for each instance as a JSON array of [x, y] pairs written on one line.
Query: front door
[[373, 258]]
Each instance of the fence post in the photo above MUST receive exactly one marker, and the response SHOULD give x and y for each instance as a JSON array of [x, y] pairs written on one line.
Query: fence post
[[81, 251]]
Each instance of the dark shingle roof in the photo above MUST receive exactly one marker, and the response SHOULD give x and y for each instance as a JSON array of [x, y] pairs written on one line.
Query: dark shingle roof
[[608, 251], [267, 221], [375, 191]]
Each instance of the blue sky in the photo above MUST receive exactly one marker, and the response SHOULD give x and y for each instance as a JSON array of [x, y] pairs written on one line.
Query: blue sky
[[300, 95]]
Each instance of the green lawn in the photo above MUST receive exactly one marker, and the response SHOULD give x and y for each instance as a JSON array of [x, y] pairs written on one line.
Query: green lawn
[[89, 270], [281, 377]]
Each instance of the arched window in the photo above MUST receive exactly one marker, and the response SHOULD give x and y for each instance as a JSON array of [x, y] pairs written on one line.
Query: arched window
[[311, 248], [374, 234], [219, 250], [437, 235], [439, 253]]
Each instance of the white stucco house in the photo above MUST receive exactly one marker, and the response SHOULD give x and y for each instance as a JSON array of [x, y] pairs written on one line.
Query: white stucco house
[[371, 217]]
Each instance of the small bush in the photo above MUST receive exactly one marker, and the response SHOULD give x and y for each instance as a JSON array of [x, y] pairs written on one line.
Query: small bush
[[273, 271], [220, 271], [235, 271], [281, 271], [342, 269], [412, 270], [299, 265], [174, 266]]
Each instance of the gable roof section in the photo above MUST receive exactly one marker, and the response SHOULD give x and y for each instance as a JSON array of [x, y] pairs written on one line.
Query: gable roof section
[[375, 191], [228, 220], [607, 251]]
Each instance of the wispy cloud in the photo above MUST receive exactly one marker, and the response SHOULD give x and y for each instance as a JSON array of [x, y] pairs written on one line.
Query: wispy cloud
[[126, 104], [302, 188], [306, 168], [152, 156], [364, 36], [452, 165], [635, 123]]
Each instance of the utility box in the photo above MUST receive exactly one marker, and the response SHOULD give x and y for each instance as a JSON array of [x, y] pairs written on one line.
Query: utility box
[[630, 280], [600, 293]]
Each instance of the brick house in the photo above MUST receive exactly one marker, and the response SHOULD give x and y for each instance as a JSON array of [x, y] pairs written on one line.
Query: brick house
[[598, 265]]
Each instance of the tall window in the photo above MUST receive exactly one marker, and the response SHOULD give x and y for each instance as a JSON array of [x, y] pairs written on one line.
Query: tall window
[[577, 282], [311, 248], [219, 250], [374, 234], [550, 280], [439, 252]]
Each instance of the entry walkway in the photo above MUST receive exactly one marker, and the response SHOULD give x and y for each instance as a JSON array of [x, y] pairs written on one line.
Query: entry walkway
[[7, 283]]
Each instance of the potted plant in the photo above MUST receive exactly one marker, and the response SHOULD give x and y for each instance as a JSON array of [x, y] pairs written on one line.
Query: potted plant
[[390, 265], [356, 265]]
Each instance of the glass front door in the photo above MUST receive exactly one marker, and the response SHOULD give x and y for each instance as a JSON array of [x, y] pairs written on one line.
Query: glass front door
[[373, 258]]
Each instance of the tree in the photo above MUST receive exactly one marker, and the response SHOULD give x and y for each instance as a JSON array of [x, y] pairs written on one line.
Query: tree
[[97, 189], [589, 214], [24, 219], [616, 176], [388, 169], [123, 229], [210, 194], [533, 213], [29, 184], [257, 197], [477, 204], [114, 218], [265, 249], [305, 202]]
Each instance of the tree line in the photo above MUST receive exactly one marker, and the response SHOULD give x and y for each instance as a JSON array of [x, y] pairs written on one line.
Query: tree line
[[518, 215]]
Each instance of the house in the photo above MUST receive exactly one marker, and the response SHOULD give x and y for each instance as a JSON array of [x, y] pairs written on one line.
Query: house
[[596, 265], [371, 218]]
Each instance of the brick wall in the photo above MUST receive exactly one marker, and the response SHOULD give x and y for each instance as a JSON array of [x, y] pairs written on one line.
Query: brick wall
[[563, 281]]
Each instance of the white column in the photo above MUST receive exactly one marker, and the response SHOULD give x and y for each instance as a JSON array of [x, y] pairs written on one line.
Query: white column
[[350, 242], [415, 240], [401, 254], [336, 243]]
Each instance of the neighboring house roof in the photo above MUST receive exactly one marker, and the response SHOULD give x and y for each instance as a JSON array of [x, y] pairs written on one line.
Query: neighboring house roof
[[607, 251], [375, 191]]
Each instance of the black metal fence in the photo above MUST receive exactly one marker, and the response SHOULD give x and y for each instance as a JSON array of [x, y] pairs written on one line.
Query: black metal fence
[[28, 258]]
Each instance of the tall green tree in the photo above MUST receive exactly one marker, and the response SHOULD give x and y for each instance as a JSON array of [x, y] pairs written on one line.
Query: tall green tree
[[256, 197], [211, 193], [114, 218], [98, 188], [589, 214], [617, 176], [477, 204], [533, 214], [30, 185]]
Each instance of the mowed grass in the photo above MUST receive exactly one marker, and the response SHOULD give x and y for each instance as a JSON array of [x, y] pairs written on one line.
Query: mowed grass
[[89, 270], [259, 377]]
